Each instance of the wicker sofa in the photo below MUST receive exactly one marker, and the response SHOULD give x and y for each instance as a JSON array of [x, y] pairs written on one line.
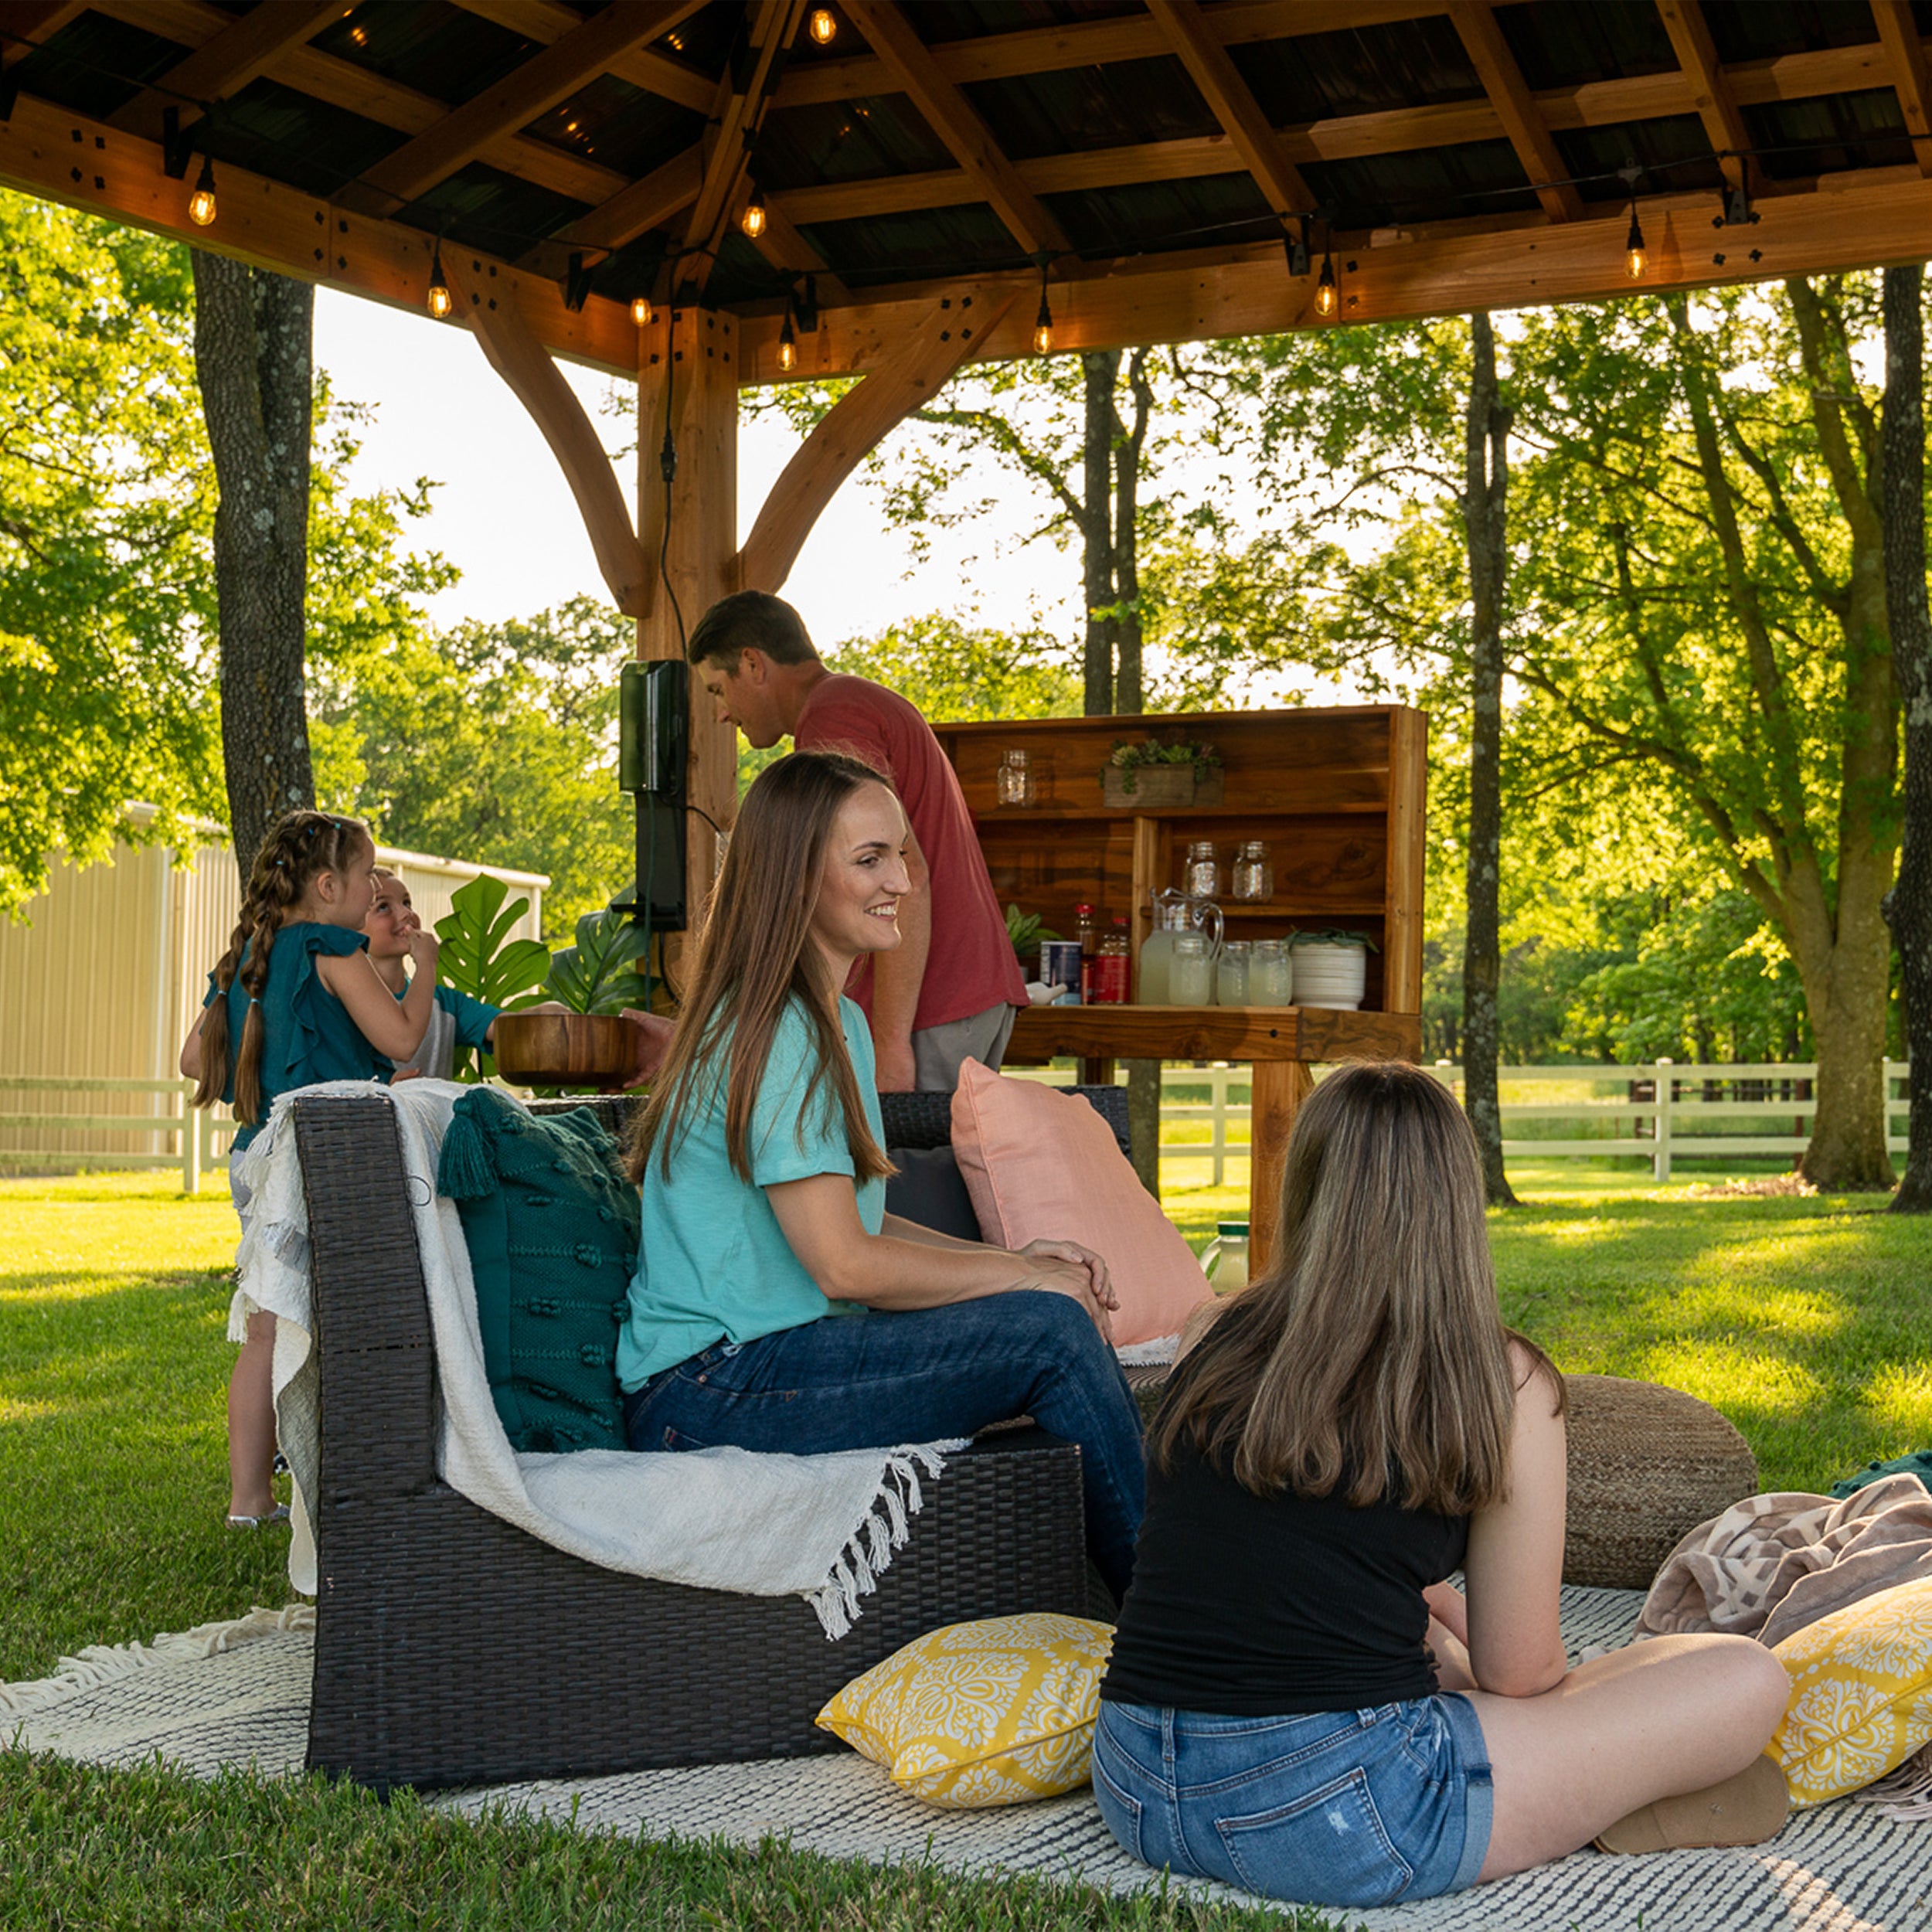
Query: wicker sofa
[[453, 1649]]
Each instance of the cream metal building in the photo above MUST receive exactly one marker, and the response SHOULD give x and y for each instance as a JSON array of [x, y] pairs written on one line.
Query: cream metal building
[[102, 976]]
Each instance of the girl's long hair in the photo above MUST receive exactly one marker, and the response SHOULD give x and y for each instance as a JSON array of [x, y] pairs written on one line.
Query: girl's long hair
[[755, 955], [1370, 1359], [300, 847]]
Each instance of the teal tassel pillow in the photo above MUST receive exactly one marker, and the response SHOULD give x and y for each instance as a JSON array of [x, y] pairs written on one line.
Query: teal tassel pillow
[[552, 1228]]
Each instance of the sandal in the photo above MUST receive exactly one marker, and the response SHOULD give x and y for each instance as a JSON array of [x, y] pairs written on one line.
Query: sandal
[[1746, 1809], [278, 1514]]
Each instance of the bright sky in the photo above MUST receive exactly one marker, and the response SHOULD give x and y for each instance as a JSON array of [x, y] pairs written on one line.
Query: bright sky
[[505, 517]]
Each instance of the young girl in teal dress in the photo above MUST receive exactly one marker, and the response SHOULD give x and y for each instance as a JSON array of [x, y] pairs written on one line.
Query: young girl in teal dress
[[293, 1001]]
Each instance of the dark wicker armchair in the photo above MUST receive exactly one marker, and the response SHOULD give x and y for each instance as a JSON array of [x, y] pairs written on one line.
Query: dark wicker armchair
[[453, 1649]]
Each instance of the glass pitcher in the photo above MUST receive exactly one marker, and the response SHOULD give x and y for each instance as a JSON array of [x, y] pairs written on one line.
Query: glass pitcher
[[1225, 1259], [1173, 914]]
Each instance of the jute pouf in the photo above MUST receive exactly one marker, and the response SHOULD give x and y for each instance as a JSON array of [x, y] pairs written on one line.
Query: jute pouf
[[1647, 1463]]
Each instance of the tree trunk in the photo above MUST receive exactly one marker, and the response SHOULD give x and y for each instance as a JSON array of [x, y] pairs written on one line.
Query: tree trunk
[[1908, 906], [1485, 511], [253, 333], [1101, 367], [1128, 695]]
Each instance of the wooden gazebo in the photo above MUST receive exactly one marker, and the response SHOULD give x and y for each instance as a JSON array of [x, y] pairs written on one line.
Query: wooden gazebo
[[703, 195]]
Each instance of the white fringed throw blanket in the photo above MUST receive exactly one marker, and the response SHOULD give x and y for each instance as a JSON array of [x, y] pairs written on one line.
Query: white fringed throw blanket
[[821, 1527]]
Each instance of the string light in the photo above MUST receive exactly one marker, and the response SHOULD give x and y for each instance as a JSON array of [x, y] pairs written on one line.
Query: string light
[[824, 26], [753, 220], [1043, 321], [642, 311], [1327, 296], [440, 299], [200, 203], [787, 342], [1636, 257]]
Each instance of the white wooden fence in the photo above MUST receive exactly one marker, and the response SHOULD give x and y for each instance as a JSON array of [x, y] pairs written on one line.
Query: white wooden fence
[[198, 1140], [1657, 1108]]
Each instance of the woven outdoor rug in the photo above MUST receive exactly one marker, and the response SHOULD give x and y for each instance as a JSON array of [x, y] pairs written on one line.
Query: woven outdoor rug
[[237, 1694]]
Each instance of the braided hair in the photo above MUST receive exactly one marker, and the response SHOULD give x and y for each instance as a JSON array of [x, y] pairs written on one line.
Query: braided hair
[[300, 847]]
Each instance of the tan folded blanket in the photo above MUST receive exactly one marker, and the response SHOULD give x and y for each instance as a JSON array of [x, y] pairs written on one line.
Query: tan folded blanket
[[1772, 1564]]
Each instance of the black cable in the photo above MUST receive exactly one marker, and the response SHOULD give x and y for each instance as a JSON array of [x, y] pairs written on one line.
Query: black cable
[[707, 818]]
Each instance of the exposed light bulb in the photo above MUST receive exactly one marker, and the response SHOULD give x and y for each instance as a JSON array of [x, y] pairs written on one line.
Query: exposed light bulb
[[641, 310], [440, 300], [787, 344], [200, 203], [824, 26], [1043, 329], [1326, 294], [753, 220], [1636, 257]]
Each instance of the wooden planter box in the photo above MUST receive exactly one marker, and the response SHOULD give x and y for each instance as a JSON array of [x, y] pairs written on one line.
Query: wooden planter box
[[1159, 787]]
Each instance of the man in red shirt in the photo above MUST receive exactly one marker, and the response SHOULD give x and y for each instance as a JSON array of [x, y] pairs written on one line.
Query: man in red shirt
[[948, 991]]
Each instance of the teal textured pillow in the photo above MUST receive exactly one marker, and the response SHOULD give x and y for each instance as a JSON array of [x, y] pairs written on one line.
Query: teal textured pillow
[[552, 1228]]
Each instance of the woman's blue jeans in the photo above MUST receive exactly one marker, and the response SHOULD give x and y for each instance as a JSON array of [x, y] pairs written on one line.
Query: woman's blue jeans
[[877, 1379]]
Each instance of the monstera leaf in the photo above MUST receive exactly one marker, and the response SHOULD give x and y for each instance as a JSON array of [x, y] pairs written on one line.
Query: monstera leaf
[[600, 974], [479, 957]]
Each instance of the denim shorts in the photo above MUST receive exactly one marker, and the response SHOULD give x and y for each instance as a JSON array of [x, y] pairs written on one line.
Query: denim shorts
[[1343, 1807]]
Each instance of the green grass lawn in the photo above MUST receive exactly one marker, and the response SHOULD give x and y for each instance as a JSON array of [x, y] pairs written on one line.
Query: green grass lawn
[[1807, 1320]]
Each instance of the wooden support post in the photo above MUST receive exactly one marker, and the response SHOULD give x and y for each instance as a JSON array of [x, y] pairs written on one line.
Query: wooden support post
[[1408, 793], [1279, 1088], [692, 360]]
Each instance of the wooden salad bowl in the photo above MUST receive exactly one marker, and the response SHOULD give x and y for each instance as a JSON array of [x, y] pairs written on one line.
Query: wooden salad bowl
[[565, 1049]]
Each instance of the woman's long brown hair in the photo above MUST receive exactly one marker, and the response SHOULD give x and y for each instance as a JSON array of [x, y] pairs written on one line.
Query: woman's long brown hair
[[755, 955], [1370, 1359], [300, 847]]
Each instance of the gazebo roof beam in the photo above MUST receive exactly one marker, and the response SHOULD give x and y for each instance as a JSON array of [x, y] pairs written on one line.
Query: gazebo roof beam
[[958, 124], [1233, 104], [341, 84], [639, 207], [1711, 91], [1516, 107], [1004, 57], [742, 97], [1905, 54], [547, 20], [1347, 136], [527, 91]]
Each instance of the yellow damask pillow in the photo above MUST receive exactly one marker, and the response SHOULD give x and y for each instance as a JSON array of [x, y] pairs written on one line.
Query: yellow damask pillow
[[1861, 1693], [993, 1712]]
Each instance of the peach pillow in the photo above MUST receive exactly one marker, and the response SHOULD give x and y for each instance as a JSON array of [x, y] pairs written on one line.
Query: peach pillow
[[1042, 1164]]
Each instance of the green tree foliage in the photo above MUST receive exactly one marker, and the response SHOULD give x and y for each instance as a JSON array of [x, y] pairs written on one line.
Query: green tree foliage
[[495, 742], [954, 671], [108, 620], [104, 510]]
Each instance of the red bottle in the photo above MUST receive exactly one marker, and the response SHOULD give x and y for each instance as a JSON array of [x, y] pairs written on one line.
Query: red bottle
[[1113, 970]]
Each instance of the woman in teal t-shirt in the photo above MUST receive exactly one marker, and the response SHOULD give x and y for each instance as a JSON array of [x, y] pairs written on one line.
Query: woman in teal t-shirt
[[293, 1001], [776, 1306]]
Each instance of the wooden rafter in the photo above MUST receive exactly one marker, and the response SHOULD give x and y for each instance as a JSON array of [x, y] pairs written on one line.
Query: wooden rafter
[[788, 251], [228, 61], [644, 205], [1346, 137], [31, 22], [1004, 57], [544, 21], [1233, 104], [958, 123], [1503, 81], [342, 83], [742, 103], [1905, 52], [516, 355], [513, 102], [1711, 91], [929, 352]]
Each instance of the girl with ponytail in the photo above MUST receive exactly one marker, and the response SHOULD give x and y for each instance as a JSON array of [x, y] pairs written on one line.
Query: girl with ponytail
[[293, 1001]]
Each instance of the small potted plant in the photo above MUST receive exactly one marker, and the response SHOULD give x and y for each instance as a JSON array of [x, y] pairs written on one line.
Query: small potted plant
[[1153, 777]]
